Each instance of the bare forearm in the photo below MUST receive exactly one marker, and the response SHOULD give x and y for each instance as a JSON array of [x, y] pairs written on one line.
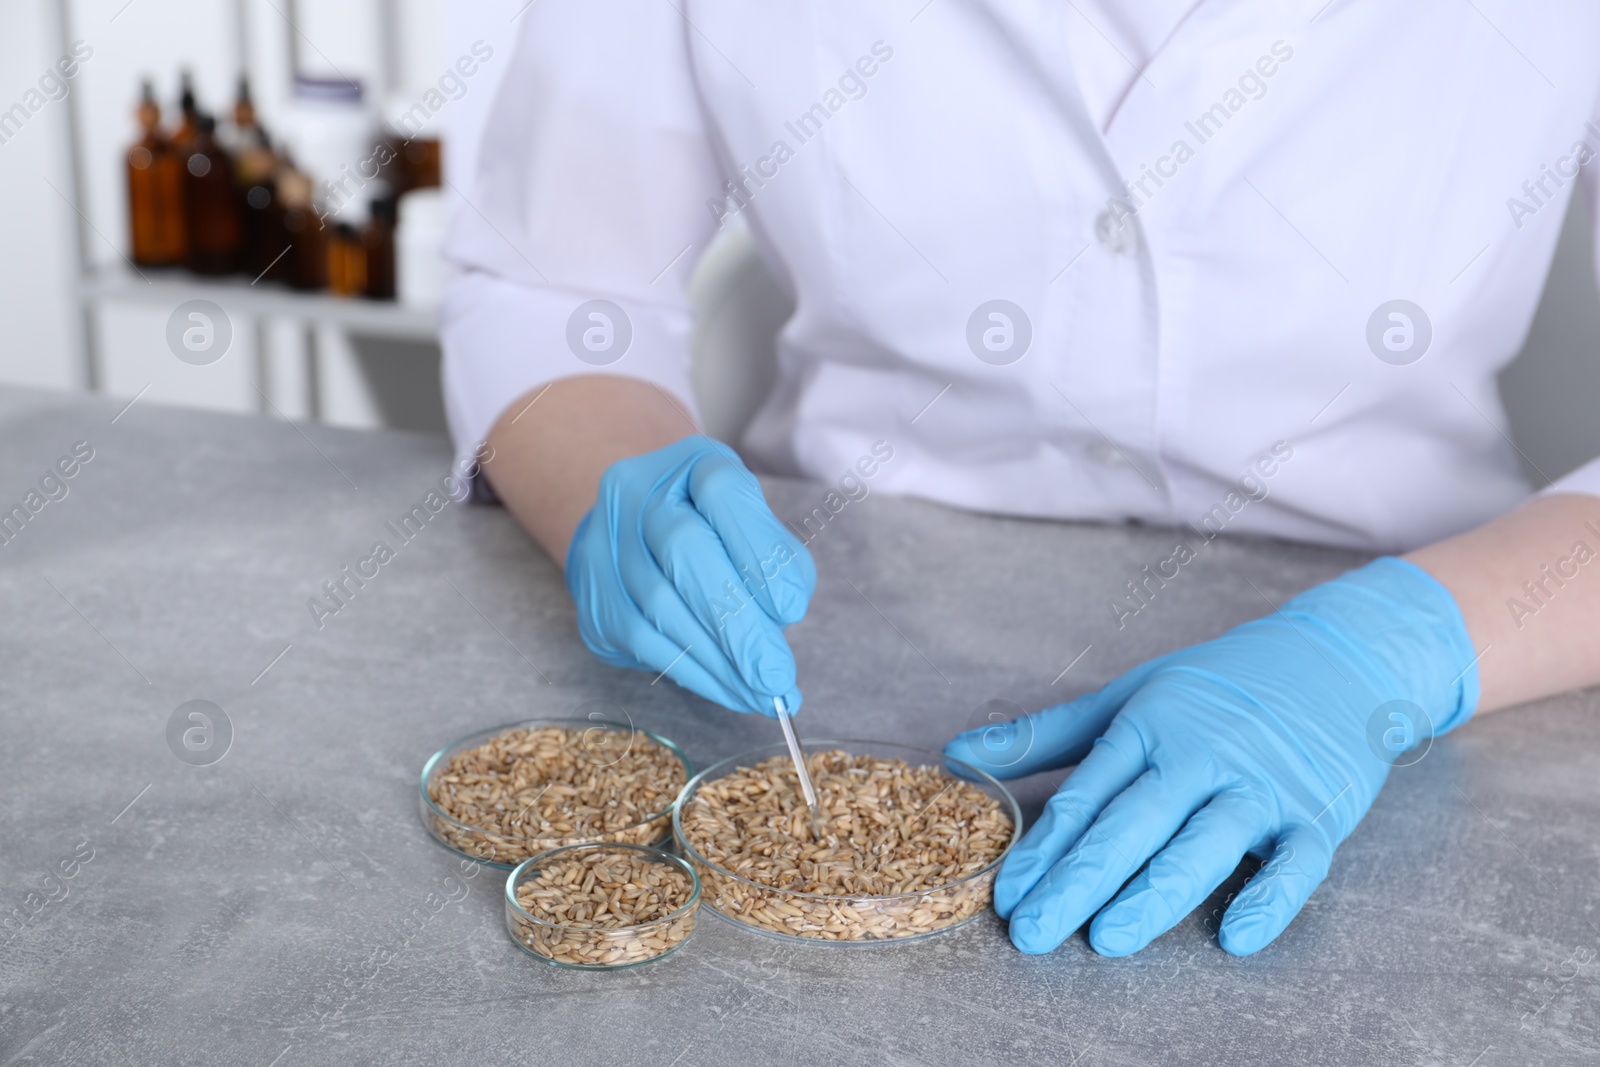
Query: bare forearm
[[1528, 585], [551, 446]]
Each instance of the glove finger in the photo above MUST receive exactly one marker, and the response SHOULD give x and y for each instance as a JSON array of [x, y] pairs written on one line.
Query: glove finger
[[1116, 762], [660, 653], [791, 704], [1182, 875], [648, 588], [693, 558], [1048, 740], [1277, 892], [771, 562], [1130, 830], [672, 617]]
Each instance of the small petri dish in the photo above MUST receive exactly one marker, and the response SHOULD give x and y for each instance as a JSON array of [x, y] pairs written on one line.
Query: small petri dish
[[601, 907], [845, 917], [564, 781]]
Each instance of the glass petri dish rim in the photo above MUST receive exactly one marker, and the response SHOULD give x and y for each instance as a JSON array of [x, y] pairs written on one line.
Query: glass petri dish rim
[[781, 749], [863, 944], [435, 760], [654, 854]]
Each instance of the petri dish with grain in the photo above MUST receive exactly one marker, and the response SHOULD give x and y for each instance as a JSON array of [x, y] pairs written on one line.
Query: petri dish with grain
[[601, 906], [508, 793], [907, 845]]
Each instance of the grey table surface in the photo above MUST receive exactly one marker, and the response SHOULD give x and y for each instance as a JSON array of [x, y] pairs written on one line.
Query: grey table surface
[[283, 905]]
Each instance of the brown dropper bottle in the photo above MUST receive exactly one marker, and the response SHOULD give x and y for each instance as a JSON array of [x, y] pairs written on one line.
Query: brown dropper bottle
[[211, 199], [155, 192], [239, 134], [244, 108], [418, 159], [347, 261], [377, 237], [255, 167], [306, 265], [266, 245], [188, 116], [254, 161]]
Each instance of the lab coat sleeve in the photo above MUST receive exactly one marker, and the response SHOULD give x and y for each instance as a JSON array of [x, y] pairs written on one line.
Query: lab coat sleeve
[[595, 181], [1586, 479]]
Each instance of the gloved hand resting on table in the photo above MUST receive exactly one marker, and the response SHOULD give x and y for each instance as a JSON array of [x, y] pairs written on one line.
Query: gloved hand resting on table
[[681, 568], [1271, 740]]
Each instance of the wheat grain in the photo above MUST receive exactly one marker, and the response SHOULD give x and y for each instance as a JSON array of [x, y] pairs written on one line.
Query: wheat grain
[[535, 788], [898, 847], [603, 907]]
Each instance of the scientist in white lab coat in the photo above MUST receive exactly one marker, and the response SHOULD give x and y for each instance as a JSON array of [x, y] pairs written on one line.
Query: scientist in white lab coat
[[1242, 264]]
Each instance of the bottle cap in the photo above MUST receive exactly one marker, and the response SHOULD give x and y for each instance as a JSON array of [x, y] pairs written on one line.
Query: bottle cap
[[149, 112]]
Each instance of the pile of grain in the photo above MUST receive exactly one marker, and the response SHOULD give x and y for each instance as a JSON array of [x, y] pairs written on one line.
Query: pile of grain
[[893, 836], [610, 906], [532, 789]]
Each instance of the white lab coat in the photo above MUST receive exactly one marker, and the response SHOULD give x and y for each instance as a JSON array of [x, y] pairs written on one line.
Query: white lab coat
[[1202, 260]]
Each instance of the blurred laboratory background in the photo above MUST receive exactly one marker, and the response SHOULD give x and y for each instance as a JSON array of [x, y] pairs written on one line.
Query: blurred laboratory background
[[295, 162], [298, 163]]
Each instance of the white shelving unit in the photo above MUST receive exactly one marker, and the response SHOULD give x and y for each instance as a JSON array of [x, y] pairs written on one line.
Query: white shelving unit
[[370, 318], [269, 47]]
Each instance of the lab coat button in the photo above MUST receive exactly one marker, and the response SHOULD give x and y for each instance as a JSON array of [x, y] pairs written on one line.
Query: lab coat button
[[1115, 231]]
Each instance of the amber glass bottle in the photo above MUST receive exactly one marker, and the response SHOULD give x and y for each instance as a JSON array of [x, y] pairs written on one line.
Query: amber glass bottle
[[211, 200], [347, 261], [155, 192], [256, 162], [419, 160], [377, 238], [266, 245], [306, 265], [188, 116], [244, 112]]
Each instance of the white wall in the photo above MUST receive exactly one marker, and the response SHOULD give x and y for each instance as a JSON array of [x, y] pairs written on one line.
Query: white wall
[[41, 334], [1552, 391]]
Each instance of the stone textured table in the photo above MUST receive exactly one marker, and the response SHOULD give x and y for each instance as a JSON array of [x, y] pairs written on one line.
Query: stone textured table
[[283, 905]]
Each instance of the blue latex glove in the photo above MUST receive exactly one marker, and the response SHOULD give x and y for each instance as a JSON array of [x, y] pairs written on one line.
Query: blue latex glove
[[680, 567], [1272, 739]]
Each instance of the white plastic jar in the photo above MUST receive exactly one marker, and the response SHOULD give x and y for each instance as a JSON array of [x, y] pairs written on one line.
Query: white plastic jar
[[419, 248], [334, 138]]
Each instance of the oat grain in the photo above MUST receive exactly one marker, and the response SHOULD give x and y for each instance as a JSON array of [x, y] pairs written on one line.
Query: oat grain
[[899, 844], [535, 788], [602, 906]]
